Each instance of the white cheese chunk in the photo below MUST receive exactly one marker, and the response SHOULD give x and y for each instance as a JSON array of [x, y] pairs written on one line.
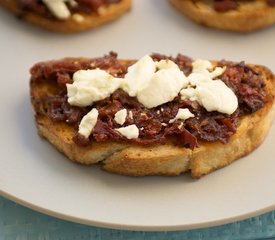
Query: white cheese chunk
[[163, 87], [58, 8], [90, 86], [154, 83], [201, 66], [217, 72], [200, 72], [206, 67], [216, 96], [166, 64], [197, 78], [138, 75], [188, 94], [213, 95], [120, 116], [130, 132], [183, 113], [88, 123], [78, 18]]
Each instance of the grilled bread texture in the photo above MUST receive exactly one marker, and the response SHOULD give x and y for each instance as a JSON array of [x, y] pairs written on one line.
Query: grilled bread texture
[[75, 23], [131, 159], [249, 16]]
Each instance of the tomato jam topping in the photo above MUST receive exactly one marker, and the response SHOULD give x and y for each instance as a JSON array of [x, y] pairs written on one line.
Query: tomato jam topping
[[154, 124], [227, 5]]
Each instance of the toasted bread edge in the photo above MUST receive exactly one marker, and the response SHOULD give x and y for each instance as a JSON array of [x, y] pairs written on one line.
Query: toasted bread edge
[[242, 20], [71, 25]]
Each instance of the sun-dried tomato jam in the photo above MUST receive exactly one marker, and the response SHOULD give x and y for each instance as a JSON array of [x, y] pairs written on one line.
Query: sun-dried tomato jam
[[271, 3], [153, 124], [227, 5]]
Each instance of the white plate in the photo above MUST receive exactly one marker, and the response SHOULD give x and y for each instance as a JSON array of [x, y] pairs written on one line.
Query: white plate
[[33, 173]]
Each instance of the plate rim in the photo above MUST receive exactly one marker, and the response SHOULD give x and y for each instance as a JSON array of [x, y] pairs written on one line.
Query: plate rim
[[117, 226]]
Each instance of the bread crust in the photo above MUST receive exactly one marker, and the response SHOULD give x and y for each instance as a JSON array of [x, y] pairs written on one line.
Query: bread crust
[[88, 21], [250, 15], [159, 159]]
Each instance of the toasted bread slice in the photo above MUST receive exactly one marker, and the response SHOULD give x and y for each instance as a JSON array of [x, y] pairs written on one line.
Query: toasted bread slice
[[249, 16], [131, 159], [76, 22]]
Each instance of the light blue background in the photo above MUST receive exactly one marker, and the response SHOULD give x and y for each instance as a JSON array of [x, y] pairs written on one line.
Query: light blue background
[[20, 223]]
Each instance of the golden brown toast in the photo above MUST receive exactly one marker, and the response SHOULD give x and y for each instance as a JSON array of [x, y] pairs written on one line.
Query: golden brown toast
[[81, 22], [128, 158], [249, 16]]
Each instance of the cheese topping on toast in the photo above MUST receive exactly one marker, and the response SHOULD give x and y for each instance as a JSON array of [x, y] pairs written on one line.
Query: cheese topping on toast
[[155, 83]]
